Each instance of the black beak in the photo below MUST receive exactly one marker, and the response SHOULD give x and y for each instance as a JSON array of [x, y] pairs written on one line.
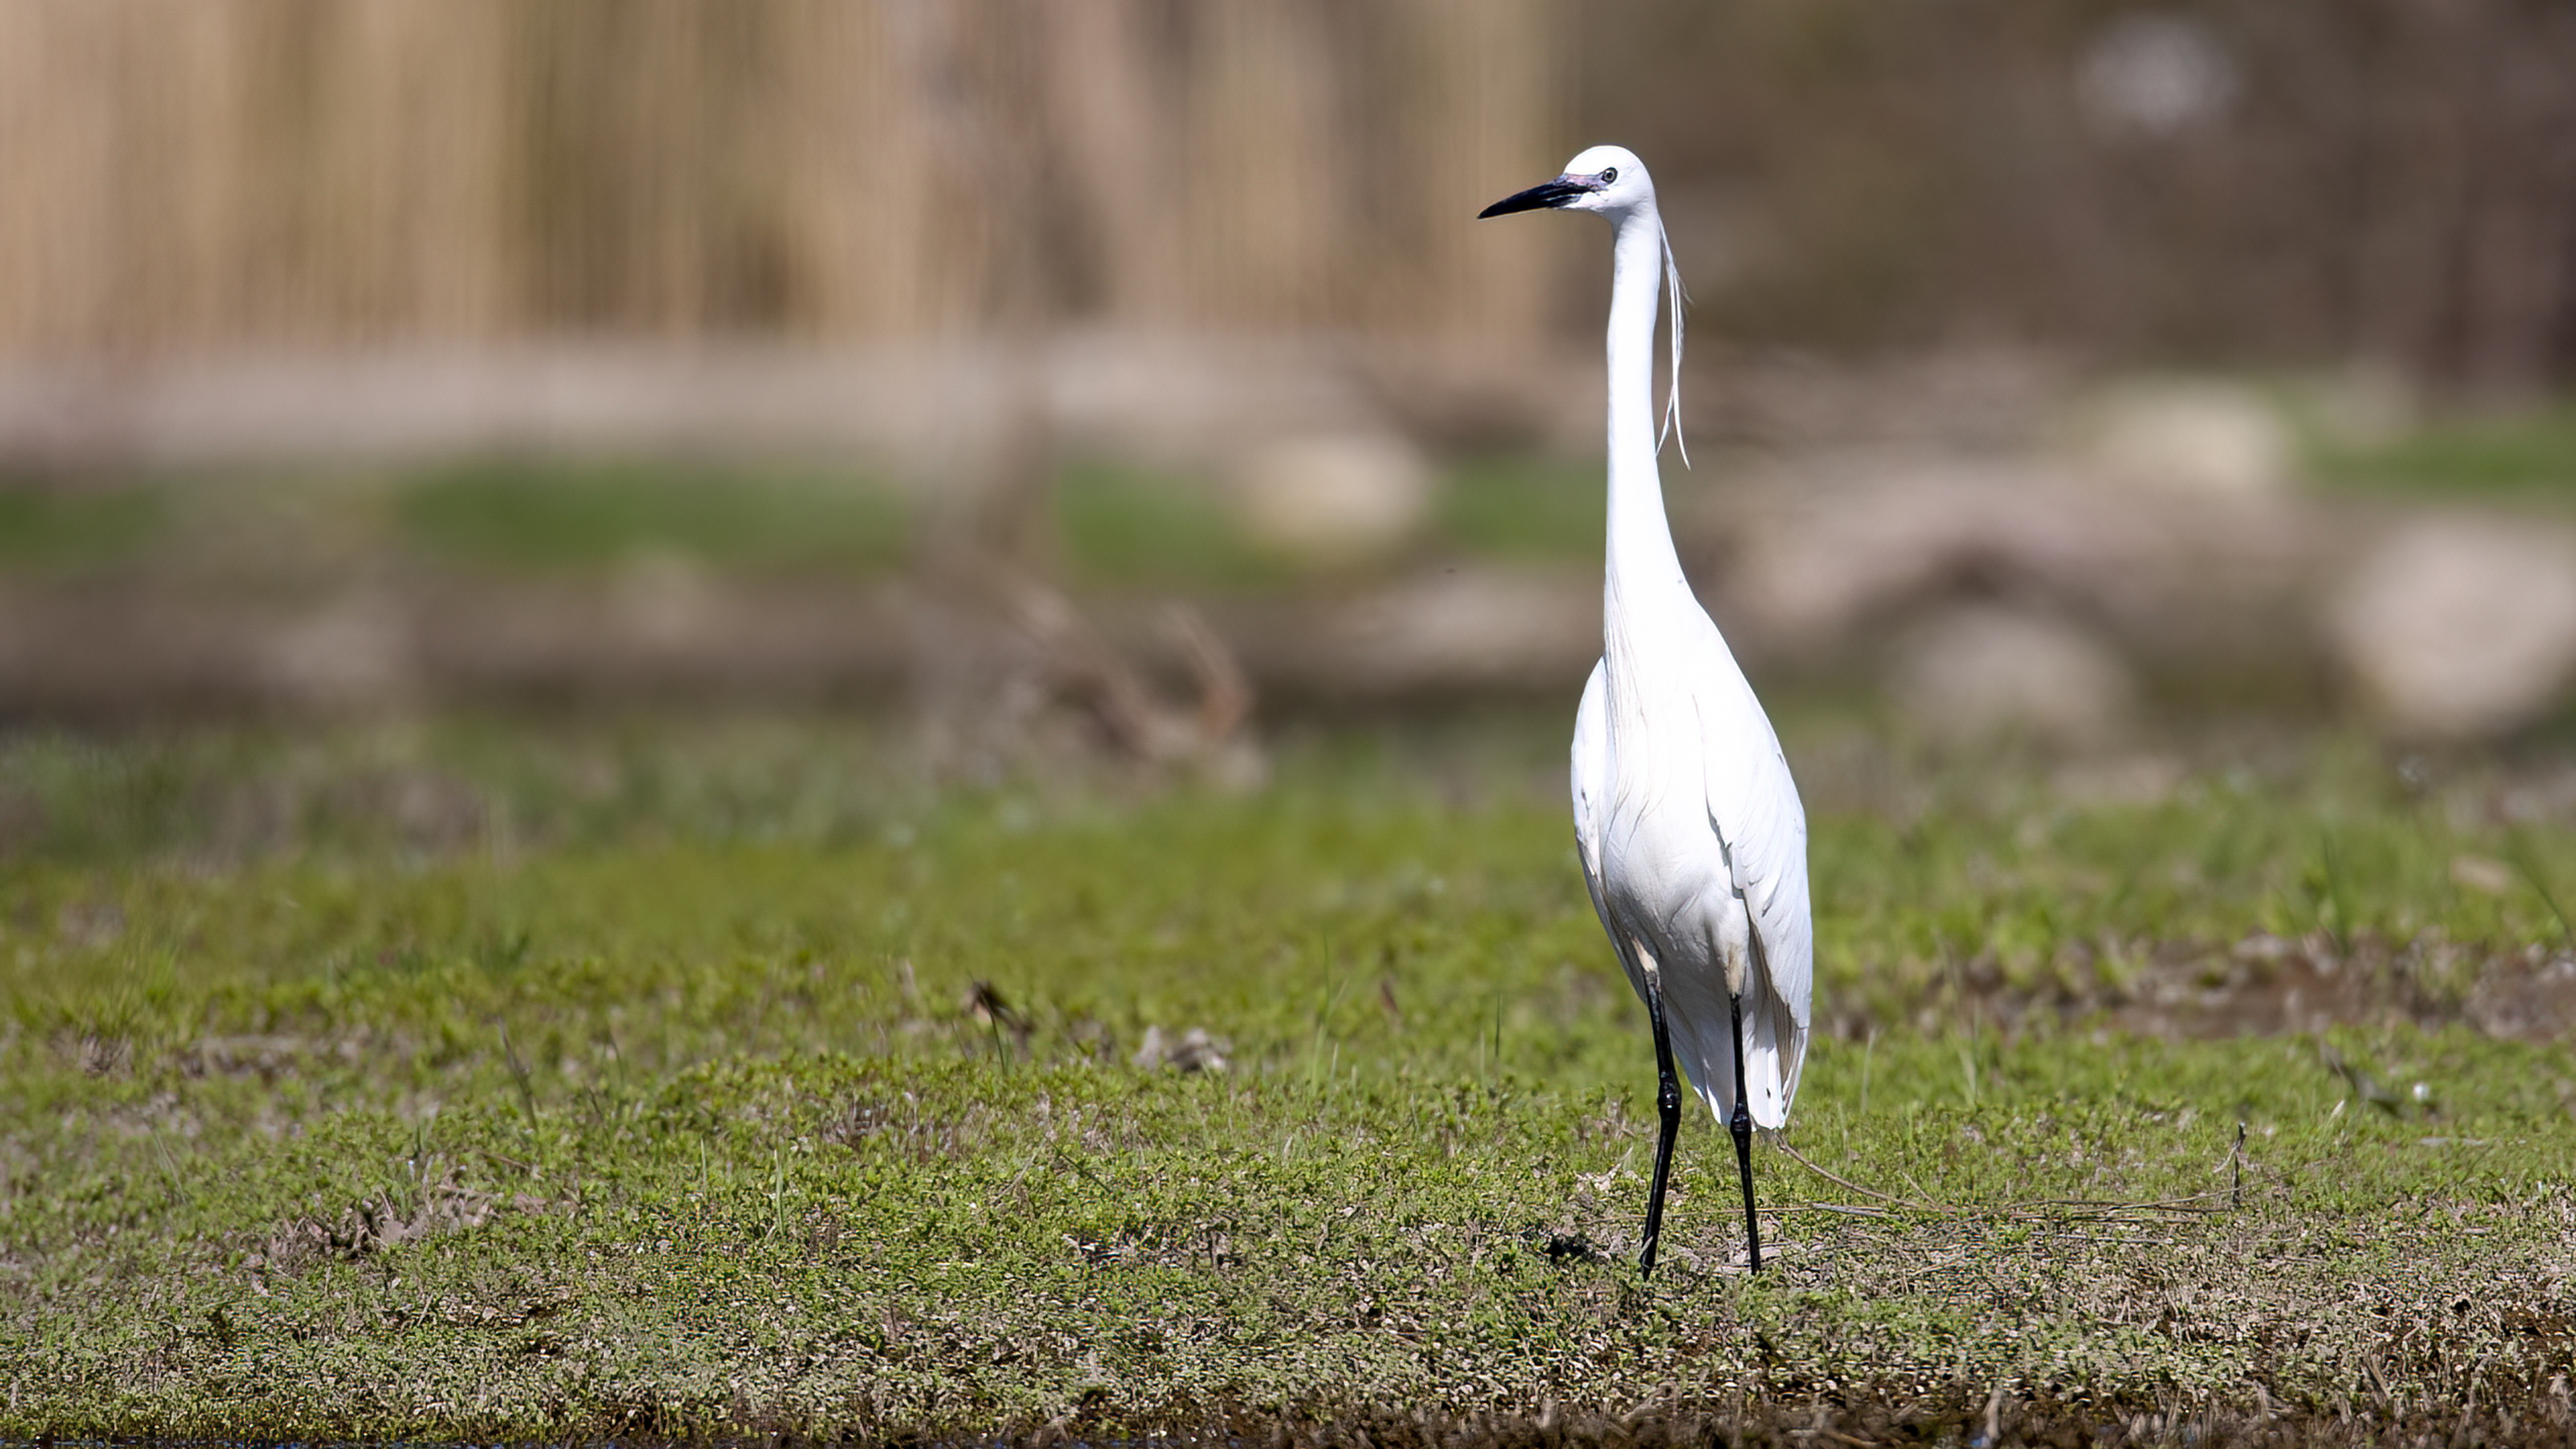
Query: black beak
[[1545, 195]]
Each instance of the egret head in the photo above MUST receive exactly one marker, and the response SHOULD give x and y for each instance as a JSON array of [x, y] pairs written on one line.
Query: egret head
[[1604, 178], [1612, 181]]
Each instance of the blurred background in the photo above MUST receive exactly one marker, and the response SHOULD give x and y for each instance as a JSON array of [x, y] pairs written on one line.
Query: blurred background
[[1120, 377]]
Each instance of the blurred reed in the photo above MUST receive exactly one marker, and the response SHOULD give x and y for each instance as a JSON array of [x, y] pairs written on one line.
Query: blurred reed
[[218, 173], [2159, 181]]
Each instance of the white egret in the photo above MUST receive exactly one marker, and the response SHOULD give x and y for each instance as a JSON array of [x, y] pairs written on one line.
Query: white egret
[[1693, 842]]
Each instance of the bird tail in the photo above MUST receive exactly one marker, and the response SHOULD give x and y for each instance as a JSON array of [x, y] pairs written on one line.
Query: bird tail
[[1775, 1050]]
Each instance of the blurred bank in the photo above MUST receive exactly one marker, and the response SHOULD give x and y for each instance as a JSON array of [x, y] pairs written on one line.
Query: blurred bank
[[1137, 361]]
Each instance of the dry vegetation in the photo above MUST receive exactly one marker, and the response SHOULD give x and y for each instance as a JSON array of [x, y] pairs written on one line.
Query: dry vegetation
[[265, 172]]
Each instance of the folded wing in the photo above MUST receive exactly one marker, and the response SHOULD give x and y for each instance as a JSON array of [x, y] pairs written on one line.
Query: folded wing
[[1754, 809]]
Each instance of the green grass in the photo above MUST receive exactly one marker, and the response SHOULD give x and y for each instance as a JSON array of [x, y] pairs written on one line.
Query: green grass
[[549, 515], [1525, 508], [2524, 453], [468, 1079], [1119, 527], [46, 528], [1124, 528]]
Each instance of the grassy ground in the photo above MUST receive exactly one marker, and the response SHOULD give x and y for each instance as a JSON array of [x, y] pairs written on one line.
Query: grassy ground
[[468, 1080]]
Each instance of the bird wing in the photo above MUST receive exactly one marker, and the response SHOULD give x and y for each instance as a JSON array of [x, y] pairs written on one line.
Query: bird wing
[[1753, 807], [1591, 778]]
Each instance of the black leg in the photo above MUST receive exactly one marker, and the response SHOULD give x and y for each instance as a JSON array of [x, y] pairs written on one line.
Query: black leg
[[1741, 1124], [1668, 1107]]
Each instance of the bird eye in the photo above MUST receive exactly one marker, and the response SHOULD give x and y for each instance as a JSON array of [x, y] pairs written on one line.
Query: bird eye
[[1609, 174]]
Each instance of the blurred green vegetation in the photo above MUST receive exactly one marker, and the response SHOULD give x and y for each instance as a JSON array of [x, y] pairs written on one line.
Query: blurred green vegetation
[[487, 1077], [1524, 508], [1935, 857], [532, 515], [48, 528], [1119, 526], [2527, 453], [1122, 526]]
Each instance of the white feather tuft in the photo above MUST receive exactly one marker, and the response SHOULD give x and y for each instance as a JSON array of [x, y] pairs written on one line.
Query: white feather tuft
[[1678, 295]]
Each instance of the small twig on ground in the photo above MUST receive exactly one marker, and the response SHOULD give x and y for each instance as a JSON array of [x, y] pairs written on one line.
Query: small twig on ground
[[2031, 1209], [2112, 1205], [1840, 1181], [2123, 1242], [508, 1161]]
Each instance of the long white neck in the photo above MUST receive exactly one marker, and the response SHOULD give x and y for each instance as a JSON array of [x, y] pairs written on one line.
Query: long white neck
[[1642, 568]]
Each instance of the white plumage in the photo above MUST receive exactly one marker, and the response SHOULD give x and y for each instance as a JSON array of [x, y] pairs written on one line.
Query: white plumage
[[1672, 893], [1693, 842]]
